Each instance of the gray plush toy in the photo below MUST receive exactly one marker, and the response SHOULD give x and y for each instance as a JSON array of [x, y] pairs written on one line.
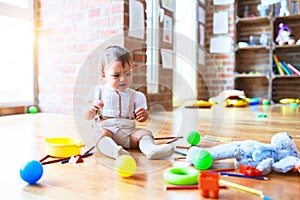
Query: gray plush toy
[[280, 155]]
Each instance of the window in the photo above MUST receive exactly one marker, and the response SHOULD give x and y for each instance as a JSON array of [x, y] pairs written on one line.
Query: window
[[17, 53], [185, 23], [152, 9], [186, 41]]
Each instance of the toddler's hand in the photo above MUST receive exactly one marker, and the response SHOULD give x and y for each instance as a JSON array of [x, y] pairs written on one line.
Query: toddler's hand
[[141, 114], [97, 104]]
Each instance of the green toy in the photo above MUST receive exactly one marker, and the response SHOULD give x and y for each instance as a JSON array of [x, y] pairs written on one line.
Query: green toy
[[181, 175], [193, 138], [33, 109], [202, 160]]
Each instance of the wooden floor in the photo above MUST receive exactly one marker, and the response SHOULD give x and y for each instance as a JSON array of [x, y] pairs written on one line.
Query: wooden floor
[[22, 139]]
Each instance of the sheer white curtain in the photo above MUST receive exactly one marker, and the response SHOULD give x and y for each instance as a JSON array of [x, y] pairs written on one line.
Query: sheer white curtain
[[152, 10], [186, 29], [16, 53]]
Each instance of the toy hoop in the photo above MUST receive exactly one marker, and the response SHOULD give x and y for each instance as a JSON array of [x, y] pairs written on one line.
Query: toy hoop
[[181, 175]]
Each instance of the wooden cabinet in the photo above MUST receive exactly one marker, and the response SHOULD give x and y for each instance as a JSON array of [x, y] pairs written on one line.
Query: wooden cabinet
[[255, 70], [284, 86]]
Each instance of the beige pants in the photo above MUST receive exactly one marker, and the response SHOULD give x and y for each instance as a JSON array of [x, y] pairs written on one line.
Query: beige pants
[[121, 129]]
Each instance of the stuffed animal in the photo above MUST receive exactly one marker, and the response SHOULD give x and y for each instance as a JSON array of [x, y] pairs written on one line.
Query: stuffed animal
[[284, 11], [263, 9], [284, 35], [280, 155]]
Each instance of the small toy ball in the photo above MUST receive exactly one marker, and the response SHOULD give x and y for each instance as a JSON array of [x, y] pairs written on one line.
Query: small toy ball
[[202, 159], [32, 109], [193, 138], [125, 165], [31, 171], [294, 105], [266, 102]]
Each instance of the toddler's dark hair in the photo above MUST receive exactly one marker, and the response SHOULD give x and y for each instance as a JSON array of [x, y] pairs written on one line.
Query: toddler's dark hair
[[115, 53]]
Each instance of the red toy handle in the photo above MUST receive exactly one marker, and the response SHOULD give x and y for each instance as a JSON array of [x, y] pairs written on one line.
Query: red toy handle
[[249, 171]]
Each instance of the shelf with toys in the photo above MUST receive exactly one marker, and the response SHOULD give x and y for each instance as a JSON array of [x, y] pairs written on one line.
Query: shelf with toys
[[264, 40], [286, 57], [253, 61], [287, 41], [286, 61]]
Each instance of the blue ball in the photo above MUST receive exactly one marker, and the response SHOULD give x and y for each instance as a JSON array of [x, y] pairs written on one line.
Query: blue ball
[[31, 171]]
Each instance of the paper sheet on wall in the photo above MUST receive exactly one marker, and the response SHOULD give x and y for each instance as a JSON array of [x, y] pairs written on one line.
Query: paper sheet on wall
[[167, 31], [223, 2], [220, 45], [168, 4], [167, 58], [136, 19], [220, 22]]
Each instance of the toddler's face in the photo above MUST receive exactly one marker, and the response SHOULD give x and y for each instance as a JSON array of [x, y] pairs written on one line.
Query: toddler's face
[[118, 77]]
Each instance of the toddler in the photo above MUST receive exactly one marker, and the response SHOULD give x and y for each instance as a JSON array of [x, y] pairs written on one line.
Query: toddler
[[116, 107]]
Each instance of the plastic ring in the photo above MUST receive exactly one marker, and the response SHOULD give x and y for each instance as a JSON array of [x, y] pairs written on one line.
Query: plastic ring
[[181, 175]]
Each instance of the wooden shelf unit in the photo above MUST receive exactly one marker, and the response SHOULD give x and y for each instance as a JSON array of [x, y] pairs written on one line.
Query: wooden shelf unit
[[285, 87], [255, 69], [254, 86]]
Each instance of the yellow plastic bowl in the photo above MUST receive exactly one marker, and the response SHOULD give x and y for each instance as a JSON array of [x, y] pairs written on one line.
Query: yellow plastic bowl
[[63, 147]]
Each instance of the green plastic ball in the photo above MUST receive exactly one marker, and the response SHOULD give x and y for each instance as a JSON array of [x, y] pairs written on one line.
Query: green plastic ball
[[33, 109], [202, 160], [266, 102], [193, 138]]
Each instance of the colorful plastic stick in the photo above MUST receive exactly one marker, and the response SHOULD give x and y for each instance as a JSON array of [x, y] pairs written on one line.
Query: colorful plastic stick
[[244, 188], [243, 176], [218, 138]]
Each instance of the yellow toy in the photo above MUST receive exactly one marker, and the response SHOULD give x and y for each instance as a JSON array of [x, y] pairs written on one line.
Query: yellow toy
[[237, 102], [231, 98], [125, 165], [200, 104], [289, 100]]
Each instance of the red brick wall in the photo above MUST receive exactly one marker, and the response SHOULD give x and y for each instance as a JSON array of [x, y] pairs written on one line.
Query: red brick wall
[[222, 78], [68, 31]]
